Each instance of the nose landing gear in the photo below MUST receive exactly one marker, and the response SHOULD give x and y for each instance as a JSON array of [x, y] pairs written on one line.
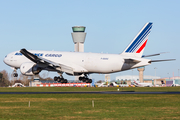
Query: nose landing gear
[[15, 74]]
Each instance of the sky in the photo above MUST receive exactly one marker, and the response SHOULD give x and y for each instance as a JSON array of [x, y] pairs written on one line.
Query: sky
[[110, 27]]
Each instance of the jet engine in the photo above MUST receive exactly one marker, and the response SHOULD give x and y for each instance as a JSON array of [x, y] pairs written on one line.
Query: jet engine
[[30, 69]]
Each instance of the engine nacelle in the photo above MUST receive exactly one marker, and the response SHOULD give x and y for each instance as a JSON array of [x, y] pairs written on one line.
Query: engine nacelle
[[30, 69]]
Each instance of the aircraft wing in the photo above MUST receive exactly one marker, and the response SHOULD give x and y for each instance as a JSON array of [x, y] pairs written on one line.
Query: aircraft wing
[[42, 62]]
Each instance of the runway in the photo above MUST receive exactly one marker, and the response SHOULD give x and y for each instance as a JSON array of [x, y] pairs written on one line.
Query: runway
[[103, 92]]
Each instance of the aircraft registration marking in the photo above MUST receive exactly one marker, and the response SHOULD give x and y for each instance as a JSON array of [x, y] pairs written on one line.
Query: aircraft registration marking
[[104, 58]]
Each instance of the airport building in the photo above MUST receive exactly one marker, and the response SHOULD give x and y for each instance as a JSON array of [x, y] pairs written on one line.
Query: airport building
[[172, 80], [155, 80], [132, 78], [136, 77], [50, 83]]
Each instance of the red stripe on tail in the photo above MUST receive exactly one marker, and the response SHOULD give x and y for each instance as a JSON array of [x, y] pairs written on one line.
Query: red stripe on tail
[[142, 47]]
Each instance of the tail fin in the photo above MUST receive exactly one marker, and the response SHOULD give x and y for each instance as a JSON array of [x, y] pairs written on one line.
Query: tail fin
[[135, 81], [137, 45]]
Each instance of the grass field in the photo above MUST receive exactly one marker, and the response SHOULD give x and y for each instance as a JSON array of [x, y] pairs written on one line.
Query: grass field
[[79, 106], [69, 89]]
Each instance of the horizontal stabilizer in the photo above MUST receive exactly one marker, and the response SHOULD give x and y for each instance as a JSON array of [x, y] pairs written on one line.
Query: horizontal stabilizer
[[160, 60], [153, 54]]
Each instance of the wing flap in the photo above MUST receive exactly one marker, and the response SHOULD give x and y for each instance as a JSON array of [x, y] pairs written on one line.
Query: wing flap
[[67, 69]]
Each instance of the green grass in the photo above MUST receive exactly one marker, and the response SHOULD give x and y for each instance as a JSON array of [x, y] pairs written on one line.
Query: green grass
[[63, 89], [79, 106]]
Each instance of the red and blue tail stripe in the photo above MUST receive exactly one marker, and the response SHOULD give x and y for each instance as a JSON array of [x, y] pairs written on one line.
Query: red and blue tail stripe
[[137, 45], [140, 40]]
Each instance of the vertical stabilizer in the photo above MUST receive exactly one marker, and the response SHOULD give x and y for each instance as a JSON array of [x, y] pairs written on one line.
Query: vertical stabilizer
[[137, 45]]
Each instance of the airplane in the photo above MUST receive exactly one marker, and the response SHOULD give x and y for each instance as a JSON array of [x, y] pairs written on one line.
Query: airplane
[[138, 84], [32, 62], [115, 84]]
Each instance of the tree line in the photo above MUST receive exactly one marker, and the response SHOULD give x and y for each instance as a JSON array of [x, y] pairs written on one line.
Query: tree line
[[7, 79]]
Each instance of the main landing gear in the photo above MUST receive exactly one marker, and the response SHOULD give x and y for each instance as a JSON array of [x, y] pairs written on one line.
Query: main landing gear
[[60, 79], [85, 79]]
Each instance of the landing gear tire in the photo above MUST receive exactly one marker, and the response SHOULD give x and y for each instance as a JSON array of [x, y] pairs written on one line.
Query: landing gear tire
[[81, 78], [15, 75], [55, 78], [61, 80], [65, 80], [58, 79], [85, 79], [90, 81], [15, 72]]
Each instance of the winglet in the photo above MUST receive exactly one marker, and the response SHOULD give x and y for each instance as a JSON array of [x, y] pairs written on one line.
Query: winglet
[[29, 55]]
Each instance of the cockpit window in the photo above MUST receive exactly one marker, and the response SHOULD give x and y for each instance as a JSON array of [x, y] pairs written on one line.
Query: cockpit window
[[5, 56]]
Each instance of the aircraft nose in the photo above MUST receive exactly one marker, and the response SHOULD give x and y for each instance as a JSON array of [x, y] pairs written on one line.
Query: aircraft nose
[[5, 60]]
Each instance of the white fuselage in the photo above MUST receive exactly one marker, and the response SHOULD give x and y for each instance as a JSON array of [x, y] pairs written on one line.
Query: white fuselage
[[80, 62]]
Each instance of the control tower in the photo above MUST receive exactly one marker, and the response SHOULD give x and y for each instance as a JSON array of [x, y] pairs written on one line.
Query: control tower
[[78, 36], [141, 70]]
